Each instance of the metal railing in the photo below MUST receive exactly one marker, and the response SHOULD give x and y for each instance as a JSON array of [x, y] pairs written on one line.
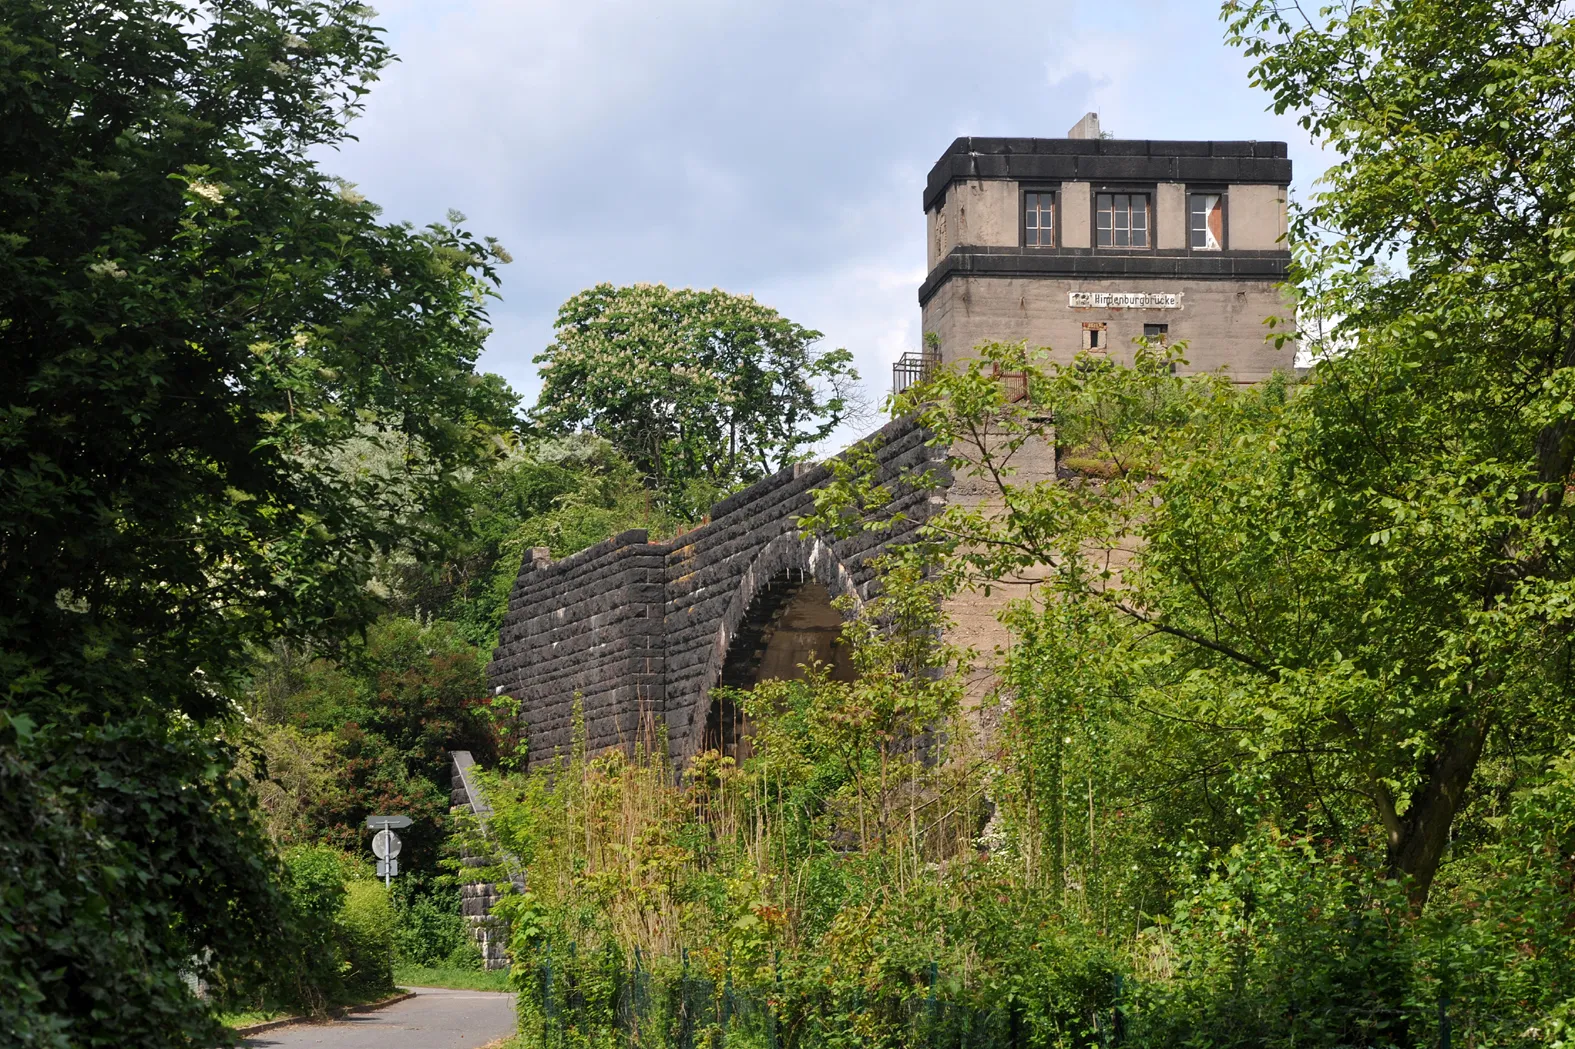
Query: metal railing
[[597, 1001], [913, 368]]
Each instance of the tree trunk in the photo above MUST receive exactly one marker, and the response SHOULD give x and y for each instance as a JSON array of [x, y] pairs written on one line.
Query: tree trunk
[[1418, 839]]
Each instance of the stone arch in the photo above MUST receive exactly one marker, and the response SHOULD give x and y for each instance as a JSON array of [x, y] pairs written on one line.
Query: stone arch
[[782, 608]]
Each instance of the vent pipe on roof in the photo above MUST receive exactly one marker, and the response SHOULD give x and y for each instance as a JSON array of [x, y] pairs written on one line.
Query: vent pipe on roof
[[1088, 127]]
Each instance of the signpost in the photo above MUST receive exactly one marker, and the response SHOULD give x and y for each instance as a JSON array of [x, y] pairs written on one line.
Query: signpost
[[386, 844]]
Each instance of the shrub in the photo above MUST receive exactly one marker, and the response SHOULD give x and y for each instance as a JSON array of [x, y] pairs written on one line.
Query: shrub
[[431, 931], [1282, 943], [315, 879], [366, 939], [338, 936]]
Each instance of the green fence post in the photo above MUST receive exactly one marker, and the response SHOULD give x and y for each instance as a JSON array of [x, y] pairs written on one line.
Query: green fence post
[[686, 1031], [727, 994], [571, 983], [546, 996], [637, 994], [929, 1007], [1443, 1017], [1117, 1020], [775, 998]]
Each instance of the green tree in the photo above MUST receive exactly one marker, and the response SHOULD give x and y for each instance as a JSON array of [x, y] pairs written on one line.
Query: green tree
[[703, 391], [1305, 607], [563, 493], [1362, 583], [1446, 239], [200, 328]]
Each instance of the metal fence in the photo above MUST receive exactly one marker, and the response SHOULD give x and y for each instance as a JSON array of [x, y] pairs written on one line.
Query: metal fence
[[576, 1003], [913, 368]]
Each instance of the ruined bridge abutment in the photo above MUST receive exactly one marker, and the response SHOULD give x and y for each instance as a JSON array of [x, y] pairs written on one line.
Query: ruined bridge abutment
[[639, 633]]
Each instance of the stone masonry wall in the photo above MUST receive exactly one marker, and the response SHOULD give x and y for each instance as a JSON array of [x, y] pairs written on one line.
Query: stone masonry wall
[[587, 626], [639, 631]]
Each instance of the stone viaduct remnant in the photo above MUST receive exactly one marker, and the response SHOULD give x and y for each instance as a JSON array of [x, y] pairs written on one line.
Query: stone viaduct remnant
[[1078, 244], [477, 896], [638, 633]]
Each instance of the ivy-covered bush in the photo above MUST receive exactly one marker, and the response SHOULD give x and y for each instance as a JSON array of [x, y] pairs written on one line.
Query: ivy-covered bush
[[125, 850]]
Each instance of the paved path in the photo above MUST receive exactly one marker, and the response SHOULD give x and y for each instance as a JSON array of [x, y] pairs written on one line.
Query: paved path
[[433, 1019]]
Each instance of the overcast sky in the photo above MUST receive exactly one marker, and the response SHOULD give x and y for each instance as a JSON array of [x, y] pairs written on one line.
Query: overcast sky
[[777, 149]]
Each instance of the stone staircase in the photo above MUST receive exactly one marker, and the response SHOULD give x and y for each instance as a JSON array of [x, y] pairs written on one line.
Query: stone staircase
[[478, 897]]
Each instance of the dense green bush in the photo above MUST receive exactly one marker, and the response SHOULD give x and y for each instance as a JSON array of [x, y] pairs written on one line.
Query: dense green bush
[[1276, 944], [366, 939], [338, 937], [315, 881], [1500, 935], [431, 931]]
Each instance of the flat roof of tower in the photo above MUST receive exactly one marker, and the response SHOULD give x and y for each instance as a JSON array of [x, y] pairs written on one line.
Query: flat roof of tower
[[1107, 160]]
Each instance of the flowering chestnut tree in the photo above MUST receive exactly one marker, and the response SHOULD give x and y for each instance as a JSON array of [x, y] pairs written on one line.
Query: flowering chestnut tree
[[704, 391]]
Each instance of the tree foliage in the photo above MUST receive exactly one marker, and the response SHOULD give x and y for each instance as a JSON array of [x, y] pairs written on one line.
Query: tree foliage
[[703, 391], [563, 493], [1446, 239], [201, 329]]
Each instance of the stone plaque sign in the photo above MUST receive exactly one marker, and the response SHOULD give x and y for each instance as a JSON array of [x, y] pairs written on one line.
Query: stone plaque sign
[[1124, 300]]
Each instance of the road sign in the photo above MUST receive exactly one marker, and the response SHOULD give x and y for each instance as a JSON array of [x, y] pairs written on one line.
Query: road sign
[[387, 869], [385, 844], [388, 822]]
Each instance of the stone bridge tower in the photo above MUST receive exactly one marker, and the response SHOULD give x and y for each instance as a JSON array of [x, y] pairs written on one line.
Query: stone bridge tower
[[1087, 243]]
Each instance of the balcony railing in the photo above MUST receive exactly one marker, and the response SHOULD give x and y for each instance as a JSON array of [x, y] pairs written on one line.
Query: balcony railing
[[913, 368]]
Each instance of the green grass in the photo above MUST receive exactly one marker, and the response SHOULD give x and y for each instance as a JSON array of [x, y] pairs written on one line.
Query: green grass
[[455, 979], [1090, 465], [246, 1019]]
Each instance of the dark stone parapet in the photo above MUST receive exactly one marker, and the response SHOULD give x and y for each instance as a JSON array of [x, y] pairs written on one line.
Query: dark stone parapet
[[1107, 159]]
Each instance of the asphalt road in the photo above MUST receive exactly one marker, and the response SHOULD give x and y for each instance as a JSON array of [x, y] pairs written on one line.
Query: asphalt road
[[433, 1019]]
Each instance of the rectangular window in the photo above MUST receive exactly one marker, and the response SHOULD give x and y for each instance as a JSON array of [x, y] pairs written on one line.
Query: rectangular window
[[1207, 221], [1157, 333], [1094, 335], [1122, 220], [1039, 220]]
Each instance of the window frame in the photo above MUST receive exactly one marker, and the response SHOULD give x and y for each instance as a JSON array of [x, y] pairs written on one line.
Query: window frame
[[1148, 191], [1054, 189], [1224, 195], [1096, 332]]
